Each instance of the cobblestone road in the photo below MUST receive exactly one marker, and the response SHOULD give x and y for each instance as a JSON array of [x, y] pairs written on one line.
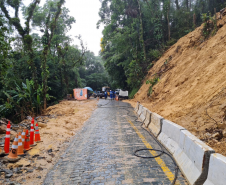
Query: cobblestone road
[[102, 152]]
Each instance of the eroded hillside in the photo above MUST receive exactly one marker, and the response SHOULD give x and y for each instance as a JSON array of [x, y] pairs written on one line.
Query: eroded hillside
[[192, 81]]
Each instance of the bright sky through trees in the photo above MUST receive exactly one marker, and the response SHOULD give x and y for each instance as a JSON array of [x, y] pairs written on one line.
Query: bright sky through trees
[[86, 14]]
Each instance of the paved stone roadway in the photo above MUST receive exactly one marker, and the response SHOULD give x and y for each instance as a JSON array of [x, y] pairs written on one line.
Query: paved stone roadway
[[102, 152]]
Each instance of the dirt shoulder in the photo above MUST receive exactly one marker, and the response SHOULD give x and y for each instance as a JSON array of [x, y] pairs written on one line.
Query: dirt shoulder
[[56, 130]]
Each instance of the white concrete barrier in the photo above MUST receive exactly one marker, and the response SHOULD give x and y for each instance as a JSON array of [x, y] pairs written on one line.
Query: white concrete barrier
[[139, 110], [170, 135], [137, 107], [143, 114], [192, 156], [217, 170], [155, 125], [148, 118]]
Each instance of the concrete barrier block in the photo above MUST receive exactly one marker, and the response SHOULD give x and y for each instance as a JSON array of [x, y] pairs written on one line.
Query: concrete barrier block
[[170, 135], [193, 156], [217, 170], [155, 125], [140, 110], [137, 107], [148, 118], [143, 114]]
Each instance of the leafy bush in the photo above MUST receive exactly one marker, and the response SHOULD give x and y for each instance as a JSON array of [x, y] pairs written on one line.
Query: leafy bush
[[154, 54], [152, 82], [135, 74], [133, 92], [172, 41], [21, 101], [210, 25]]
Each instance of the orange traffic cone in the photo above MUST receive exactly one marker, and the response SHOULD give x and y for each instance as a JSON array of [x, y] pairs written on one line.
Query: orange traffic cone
[[37, 135], [7, 139], [13, 153], [27, 142], [32, 133], [20, 150], [23, 137]]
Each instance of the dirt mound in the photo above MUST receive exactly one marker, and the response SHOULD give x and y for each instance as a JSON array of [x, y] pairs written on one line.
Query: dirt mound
[[191, 91], [57, 127]]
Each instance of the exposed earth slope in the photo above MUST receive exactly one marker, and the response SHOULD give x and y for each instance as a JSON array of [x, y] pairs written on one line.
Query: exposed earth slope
[[191, 83]]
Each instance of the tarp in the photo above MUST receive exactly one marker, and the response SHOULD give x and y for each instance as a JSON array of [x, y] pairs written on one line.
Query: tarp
[[80, 94], [89, 88]]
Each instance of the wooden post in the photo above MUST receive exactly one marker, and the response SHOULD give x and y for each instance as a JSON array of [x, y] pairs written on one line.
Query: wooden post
[[194, 20]]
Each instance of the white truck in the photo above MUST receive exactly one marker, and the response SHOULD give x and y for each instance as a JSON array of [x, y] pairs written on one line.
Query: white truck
[[123, 94]]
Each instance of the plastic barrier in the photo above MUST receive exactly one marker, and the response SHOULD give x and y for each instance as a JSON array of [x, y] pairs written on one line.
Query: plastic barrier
[[140, 110], [217, 170], [193, 156], [143, 114], [170, 135], [155, 125], [137, 107], [148, 118]]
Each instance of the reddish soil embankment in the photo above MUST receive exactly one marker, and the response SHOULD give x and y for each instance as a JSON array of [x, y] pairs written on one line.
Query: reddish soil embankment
[[191, 83]]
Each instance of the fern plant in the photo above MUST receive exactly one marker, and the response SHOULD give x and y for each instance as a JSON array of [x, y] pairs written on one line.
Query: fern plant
[[21, 101]]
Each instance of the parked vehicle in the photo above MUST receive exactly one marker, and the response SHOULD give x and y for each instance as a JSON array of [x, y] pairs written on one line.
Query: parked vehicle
[[98, 94], [106, 88], [123, 94], [117, 91]]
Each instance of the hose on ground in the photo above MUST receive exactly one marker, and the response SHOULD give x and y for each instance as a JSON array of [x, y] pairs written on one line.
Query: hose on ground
[[161, 150]]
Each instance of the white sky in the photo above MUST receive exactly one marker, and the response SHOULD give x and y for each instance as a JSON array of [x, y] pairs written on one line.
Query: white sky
[[86, 15]]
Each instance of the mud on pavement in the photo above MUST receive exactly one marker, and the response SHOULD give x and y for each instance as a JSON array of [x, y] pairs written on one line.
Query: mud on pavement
[[56, 129]]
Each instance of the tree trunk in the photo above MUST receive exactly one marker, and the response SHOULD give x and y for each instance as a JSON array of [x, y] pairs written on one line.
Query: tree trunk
[[187, 4], [177, 4], [44, 77], [168, 24], [45, 71], [142, 30], [194, 20], [65, 76]]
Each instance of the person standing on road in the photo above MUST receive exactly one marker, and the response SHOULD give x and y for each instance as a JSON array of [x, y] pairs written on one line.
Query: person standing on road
[[106, 95], [111, 94]]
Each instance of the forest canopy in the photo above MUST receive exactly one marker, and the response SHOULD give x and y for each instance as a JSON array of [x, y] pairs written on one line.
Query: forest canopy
[[136, 33], [39, 63]]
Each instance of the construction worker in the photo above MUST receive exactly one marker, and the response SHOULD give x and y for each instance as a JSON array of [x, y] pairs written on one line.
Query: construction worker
[[105, 94], [111, 94]]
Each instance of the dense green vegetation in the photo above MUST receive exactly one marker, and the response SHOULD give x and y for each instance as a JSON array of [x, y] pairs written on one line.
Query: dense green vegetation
[[137, 33], [38, 63]]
